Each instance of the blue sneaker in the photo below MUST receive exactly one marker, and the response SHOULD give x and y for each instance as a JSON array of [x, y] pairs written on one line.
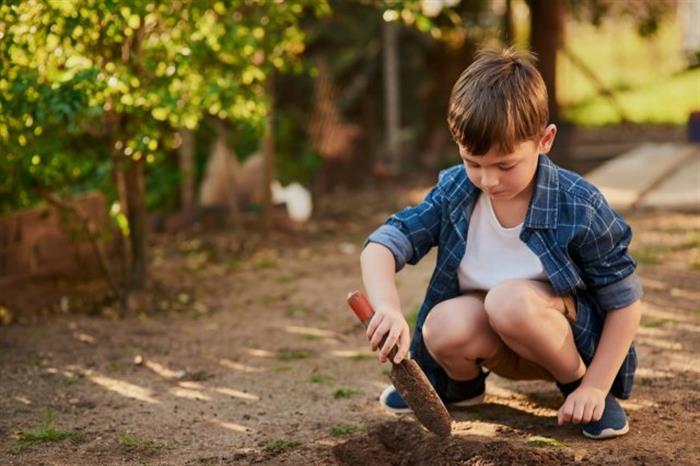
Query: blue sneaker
[[457, 393], [613, 423]]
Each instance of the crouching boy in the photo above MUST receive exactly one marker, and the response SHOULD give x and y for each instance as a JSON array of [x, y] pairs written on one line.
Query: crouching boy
[[533, 278]]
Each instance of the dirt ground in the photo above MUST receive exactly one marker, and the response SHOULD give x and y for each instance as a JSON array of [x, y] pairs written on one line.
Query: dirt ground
[[259, 361]]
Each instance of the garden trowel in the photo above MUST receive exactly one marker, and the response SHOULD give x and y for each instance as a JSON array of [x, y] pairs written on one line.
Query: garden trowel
[[409, 379]]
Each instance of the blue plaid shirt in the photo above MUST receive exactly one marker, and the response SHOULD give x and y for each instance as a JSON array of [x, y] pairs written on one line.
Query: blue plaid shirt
[[580, 240]]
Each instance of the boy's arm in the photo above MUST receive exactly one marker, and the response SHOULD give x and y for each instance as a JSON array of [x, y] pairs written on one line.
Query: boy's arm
[[587, 402], [378, 275], [619, 330], [609, 272]]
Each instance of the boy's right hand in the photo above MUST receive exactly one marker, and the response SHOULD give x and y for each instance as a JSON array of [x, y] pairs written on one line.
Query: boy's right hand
[[392, 323]]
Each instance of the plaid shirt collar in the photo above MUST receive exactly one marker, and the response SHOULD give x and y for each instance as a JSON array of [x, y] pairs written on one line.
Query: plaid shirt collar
[[541, 214]]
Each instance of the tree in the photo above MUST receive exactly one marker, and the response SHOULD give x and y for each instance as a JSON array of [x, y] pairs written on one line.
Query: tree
[[127, 76]]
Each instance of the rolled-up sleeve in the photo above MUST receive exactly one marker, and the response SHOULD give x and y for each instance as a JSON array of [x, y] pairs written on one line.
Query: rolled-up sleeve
[[607, 267], [411, 233], [393, 239]]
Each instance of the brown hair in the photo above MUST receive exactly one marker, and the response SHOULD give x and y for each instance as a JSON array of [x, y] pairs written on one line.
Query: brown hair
[[499, 99]]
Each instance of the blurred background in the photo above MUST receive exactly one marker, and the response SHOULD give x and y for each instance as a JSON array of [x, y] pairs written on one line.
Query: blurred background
[[123, 121], [186, 186]]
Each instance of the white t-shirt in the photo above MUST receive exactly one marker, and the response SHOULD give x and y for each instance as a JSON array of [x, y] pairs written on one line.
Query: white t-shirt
[[494, 253]]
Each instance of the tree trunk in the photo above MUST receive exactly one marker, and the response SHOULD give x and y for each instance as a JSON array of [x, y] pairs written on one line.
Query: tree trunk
[[546, 38], [231, 176], [392, 104], [124, 246], [268, 151], [138, 227], [186, 159]]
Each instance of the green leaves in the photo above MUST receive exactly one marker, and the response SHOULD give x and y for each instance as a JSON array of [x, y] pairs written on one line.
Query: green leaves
[[132, 73]]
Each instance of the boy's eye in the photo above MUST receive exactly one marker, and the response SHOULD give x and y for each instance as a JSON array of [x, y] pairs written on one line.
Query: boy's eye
[[506, 167]]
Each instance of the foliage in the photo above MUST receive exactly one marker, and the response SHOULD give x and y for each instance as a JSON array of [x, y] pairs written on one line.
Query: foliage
[[647, 14], [124, 77], [638, 70]]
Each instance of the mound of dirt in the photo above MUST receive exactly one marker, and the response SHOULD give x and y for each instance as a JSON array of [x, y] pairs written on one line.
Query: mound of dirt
[[405, 443]]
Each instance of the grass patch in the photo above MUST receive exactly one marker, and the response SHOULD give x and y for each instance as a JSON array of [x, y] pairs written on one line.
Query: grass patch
[[340, 430], [131, 441], [695, 264], [359, 357], [344, 393], [285, 279], [292, 355], [262, 264], [653, 323], [114, 367], [692, 242], [35, 360], [278, 445], [644, 382], [295, 312], [234, 264], [649, 255], [310, 336], [47, 432], [70, 378], [268, 299], [319, 378], [538, 441]]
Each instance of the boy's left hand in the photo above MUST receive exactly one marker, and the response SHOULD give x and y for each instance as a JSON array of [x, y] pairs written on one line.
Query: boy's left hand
[[583, 405]]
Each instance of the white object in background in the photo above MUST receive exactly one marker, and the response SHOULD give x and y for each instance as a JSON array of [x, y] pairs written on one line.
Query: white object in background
[[296, 198]]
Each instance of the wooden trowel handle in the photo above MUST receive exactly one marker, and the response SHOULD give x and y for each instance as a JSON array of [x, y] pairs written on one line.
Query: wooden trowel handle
[[363, 310]]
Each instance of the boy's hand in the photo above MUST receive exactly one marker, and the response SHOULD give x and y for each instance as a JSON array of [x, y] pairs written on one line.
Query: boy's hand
[[583, 405], [392, 323]]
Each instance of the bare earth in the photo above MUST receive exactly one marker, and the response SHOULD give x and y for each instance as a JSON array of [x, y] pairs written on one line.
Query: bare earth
[[259, 361]]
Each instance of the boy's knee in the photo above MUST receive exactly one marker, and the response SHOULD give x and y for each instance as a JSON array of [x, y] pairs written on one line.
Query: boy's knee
[[442, 337], [510, 306], [446, 336]]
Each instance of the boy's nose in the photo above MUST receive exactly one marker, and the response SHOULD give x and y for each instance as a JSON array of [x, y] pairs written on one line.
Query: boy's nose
[[488, 181]]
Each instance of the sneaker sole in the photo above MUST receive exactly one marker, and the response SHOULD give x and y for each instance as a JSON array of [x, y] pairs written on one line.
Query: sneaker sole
[[608, 433], [383, 397], [459, 404]]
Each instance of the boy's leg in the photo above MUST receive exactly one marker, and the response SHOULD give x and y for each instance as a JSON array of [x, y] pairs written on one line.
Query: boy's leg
[[457, 334], [530, 319]]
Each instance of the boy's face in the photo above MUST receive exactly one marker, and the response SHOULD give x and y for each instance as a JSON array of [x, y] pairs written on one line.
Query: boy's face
[[511, 176]]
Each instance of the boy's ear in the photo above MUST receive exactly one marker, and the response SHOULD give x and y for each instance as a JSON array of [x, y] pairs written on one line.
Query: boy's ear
[[547, 140]]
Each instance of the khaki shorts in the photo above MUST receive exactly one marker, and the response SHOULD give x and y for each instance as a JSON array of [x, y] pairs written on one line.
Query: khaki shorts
[[508, 364]]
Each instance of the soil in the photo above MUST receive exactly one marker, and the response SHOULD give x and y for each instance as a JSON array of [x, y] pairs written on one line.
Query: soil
[[258, 360]]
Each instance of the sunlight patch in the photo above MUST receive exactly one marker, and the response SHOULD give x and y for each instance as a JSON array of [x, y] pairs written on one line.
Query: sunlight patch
[[312, 331], [238, 366], [230, 425], [162, 370], [191, 394], [236, 393], [120, 387], [260, 353]]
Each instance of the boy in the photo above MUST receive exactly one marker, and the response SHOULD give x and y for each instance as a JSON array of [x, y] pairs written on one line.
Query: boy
[[533, 279]]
